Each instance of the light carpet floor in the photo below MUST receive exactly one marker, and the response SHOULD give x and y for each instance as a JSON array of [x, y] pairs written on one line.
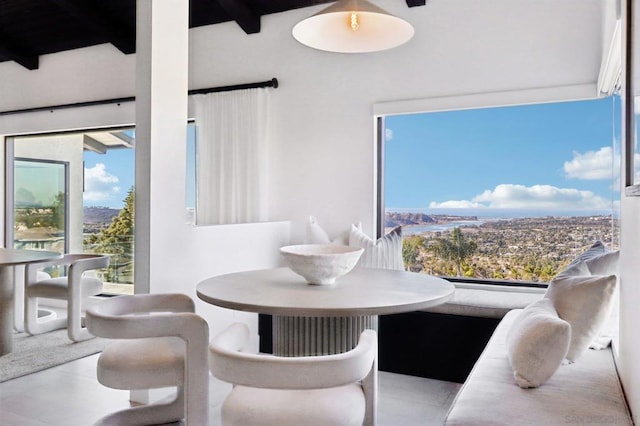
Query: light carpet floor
[[35, 353]]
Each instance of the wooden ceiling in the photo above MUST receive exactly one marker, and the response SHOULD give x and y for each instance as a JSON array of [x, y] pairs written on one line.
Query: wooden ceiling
[[30, 28]]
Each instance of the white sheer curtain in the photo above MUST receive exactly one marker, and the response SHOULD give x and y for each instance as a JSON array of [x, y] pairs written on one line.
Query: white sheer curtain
[[231, 156]]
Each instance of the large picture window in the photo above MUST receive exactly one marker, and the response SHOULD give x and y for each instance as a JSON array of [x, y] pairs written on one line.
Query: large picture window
[[505, 193]]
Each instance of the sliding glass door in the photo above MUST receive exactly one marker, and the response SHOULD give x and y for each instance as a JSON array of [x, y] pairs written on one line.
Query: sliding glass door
[[73, 192], [39, 205]]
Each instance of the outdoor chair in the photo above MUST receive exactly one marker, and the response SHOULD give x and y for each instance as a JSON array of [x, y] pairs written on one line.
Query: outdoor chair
[[74, 287]]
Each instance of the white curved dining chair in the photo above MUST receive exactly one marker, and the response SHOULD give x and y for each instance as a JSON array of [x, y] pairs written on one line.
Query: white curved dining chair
[[323, 390], [75, 287], [18, 300], [164, 345]]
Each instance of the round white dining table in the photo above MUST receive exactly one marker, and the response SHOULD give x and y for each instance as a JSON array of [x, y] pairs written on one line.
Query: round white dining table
[[8, 259], [323, 319]]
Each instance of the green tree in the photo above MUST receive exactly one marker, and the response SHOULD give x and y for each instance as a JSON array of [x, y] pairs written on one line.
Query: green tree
[[411, 252], [51, 216], [58, 211], [456, 249], [547, 273], [117, 240], [122, 226]]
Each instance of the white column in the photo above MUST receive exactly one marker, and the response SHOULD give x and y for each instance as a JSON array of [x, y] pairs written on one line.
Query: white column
[[162, 53], [162, 56]]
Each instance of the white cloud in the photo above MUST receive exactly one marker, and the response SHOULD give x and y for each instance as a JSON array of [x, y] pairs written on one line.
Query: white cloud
[[388, 134], [540, 197], [599, 165], [99, 185], [593, 165], [455, 204]]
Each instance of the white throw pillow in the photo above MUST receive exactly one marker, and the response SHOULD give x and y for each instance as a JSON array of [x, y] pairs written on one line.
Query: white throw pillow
[[607, 264], [582, 301], [385, 253], [537, 342], [315, 234], [576, 268], [604, 264], [596, 249]]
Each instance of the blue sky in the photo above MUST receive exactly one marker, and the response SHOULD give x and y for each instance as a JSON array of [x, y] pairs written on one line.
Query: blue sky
[[108, 177], [547, 156]]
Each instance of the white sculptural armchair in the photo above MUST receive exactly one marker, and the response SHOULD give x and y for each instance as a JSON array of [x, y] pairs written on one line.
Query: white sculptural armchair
[[18, 300], [163, 344], [336, 389], [74, 288]]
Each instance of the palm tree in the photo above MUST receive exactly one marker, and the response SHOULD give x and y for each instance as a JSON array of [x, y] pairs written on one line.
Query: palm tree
[[454, 249]]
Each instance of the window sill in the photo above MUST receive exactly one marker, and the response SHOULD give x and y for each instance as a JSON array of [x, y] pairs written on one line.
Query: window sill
[[496, 283]]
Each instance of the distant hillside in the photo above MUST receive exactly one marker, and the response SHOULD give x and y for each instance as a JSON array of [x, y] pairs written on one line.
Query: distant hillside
[[397, 219], [97, 215]]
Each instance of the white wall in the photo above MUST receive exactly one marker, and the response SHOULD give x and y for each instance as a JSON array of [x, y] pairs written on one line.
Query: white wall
[[629, 348], [322, 158]]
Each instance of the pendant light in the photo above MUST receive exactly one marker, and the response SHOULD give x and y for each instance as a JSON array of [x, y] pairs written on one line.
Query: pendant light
[[353, 26]]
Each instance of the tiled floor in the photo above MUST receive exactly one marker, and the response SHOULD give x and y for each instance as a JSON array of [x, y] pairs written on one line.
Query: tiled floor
[[69, 395]]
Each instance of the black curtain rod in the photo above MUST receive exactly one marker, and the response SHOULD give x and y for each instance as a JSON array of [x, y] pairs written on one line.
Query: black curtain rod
[[269, 83]]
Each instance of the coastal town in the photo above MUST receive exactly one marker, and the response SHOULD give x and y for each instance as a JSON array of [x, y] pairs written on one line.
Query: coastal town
[[527, 248]]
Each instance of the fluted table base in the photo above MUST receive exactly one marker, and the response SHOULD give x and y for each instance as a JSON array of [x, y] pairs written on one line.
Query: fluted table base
[[304, 336], [6, 309]]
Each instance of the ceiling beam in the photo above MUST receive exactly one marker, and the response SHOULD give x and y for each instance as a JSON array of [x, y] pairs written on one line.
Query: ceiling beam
[[414, 3], [93, 145], [116, 31], [126, 140], [242, 14], [21, 55]]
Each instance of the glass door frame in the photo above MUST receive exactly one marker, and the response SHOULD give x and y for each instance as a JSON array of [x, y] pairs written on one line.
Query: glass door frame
[[10, 193]]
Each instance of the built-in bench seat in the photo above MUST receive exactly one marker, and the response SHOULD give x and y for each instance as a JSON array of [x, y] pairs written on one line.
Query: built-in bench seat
[[444, 342], [587, 391]]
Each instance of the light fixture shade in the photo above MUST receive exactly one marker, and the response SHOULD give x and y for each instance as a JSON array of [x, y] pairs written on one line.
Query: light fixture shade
[[353, 26]]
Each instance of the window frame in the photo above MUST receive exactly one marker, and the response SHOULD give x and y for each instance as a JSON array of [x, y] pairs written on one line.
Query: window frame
[[458, 103], [10, 160], [630, 134]]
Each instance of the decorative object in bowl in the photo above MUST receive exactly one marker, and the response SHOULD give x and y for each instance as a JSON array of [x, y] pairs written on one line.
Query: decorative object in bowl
[[321, 264]]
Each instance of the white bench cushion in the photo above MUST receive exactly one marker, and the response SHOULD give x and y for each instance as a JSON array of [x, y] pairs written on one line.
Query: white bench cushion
[[587, 391], [486, 302]]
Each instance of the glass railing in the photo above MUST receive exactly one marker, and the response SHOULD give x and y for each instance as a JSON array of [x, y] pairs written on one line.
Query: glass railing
[[118, 277]]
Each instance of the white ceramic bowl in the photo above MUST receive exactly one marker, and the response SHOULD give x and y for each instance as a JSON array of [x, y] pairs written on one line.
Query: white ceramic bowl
[[321, 264]]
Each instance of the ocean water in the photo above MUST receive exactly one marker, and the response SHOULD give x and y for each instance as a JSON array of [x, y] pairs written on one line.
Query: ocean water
[[419, 229]]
